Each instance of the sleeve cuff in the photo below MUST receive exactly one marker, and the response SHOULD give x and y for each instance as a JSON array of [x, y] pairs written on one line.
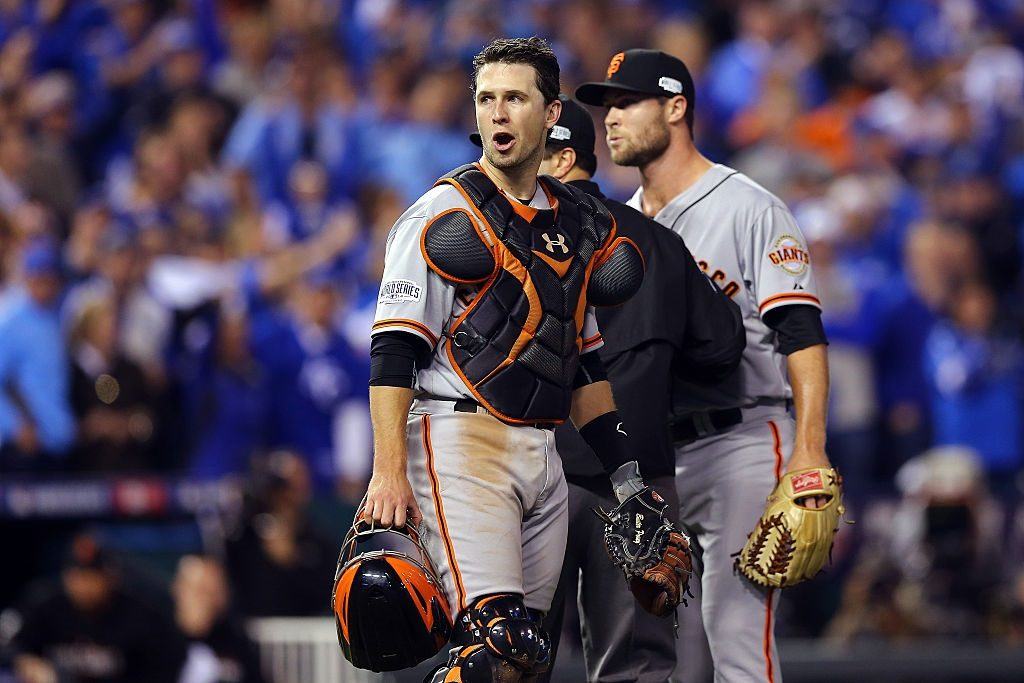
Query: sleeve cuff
[[786, 299], [405, 325], [592, 343]]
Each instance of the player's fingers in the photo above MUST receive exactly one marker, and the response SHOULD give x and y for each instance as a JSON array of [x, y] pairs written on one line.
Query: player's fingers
[[400, 516], [414, 512], [387, 514]]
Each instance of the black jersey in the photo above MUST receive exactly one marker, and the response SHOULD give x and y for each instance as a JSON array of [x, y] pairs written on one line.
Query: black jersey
[[678, 325]]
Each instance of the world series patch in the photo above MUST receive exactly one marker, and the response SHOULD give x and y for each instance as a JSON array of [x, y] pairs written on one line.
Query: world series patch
[[790, 255], [398, 291]]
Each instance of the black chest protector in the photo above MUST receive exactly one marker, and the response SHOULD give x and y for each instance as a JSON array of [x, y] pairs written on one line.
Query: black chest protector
[[517, 344]]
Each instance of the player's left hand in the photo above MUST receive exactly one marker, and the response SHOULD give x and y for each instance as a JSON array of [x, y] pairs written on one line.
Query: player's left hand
[[651, 551], [804, 459]]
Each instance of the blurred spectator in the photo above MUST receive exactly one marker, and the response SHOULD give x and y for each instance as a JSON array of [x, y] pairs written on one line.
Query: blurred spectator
[[53, 175], [35, 414], [306, 210], [232, 408], [219, 650], [277, 561], [849, 282], [412, 149], [180, 71], [930, 567], [110, 396], [320, 399], [15, 160], [90, 630], [298, 119], [239, 78], [975, 376]]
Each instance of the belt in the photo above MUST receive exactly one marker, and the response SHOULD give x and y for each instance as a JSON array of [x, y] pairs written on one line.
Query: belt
[[467, 405], [699, 425]]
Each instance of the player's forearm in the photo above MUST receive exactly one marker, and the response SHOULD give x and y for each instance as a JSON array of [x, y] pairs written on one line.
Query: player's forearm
[[389, 411], [808, 375], [591, 401]]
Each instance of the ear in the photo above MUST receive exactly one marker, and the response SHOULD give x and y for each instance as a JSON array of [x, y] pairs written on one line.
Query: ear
[[675, 109], [566, 162], [554, 110]]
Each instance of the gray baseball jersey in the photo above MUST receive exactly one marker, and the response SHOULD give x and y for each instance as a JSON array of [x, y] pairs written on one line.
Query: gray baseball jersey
[[748, 243], [413, 298]]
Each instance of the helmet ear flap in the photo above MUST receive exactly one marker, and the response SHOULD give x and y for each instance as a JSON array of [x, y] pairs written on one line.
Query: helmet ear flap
[[390, 608]]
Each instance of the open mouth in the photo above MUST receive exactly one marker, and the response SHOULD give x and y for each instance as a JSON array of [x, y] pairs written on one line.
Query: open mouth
[[503, 142]]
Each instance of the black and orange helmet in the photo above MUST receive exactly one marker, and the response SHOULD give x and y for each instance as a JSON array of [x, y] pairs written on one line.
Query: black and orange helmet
[[389, 606]]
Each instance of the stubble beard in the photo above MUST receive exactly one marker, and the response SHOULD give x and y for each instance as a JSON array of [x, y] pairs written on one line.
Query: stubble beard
[[650, 144]]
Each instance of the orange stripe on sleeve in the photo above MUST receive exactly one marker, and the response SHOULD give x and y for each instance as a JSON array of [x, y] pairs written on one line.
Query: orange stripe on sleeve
[[789, 298], [413, 325], [435, 489]]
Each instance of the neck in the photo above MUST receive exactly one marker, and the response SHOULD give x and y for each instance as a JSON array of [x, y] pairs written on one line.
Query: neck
[[574, 173], [670, 174], [519, 181]]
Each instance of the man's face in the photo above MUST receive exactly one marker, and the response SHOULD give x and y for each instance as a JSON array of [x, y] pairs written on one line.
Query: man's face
[[635, 128], [87, 589], [511, 115]]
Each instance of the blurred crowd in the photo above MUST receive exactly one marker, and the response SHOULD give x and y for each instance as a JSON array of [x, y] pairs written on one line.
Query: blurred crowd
[[195, 195]]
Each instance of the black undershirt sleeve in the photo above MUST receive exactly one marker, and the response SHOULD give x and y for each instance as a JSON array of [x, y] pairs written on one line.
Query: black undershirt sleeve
[[798, 326], [394, 357]]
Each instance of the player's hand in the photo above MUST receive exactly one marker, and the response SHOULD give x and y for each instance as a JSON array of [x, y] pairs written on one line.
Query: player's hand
[[805, 458], [390, 501]]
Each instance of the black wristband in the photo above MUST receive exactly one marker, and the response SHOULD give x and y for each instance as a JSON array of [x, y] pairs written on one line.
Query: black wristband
[[607, 438]]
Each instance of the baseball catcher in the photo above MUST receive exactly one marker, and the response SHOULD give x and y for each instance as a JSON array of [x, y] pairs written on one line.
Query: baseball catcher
[[791, 542], [651, 551]]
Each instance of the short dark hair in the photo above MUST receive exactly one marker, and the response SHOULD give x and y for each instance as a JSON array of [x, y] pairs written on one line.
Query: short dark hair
[[533, 51], [585, 161]]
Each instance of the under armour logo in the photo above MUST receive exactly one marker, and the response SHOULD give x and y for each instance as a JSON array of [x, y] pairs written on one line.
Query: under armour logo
[[620, 430], [551, 244]]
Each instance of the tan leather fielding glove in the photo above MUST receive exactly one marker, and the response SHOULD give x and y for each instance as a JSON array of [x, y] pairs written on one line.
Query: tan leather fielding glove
[[791, 543]]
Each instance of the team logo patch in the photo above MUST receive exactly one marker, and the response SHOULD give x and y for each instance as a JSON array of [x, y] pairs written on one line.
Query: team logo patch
[[656, 497], [397, 291], [808, 481], [614, 65], [790, 255]]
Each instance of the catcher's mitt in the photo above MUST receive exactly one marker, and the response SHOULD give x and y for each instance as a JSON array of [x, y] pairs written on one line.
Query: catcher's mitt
[[791, 543], [651, 551]]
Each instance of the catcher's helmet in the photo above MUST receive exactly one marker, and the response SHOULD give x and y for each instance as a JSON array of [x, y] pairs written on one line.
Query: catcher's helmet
[[389, 606]]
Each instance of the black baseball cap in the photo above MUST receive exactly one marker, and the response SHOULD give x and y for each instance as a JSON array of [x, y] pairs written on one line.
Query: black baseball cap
[[648, 72], [574, 128]]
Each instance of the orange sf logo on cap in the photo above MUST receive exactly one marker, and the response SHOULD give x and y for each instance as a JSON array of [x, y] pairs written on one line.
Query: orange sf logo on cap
[[614, 65]]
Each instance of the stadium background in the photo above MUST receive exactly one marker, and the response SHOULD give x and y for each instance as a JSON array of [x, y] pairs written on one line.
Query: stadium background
[[194, 197]]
